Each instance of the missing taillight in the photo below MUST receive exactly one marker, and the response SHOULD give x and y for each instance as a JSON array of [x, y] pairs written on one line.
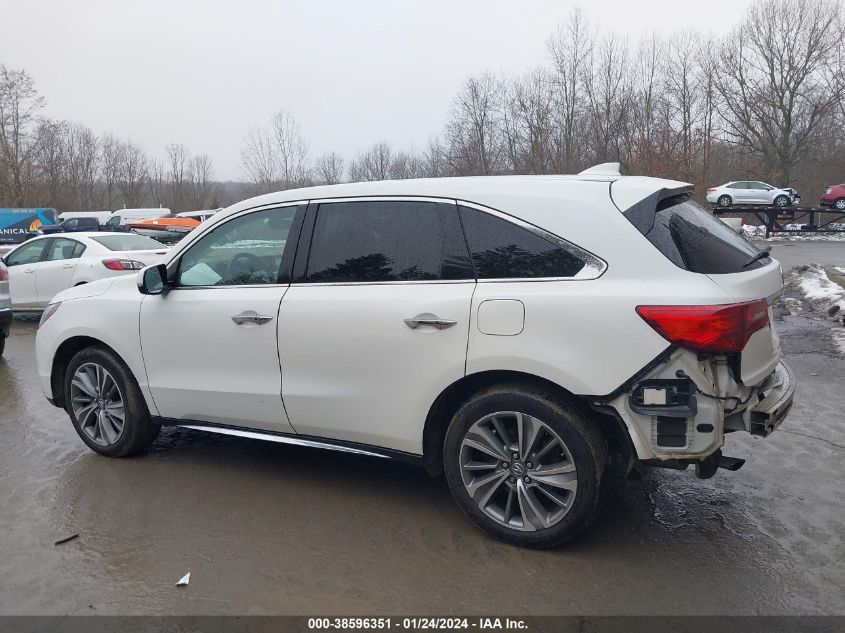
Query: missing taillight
[[719, 329]]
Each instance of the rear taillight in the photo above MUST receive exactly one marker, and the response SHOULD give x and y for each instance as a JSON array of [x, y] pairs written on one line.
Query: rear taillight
[[720, 329], [4, 273], [829, 189], [710, 190], [123, 264]]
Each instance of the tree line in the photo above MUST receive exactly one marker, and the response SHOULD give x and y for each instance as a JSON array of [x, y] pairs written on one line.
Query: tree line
[[764, 102]]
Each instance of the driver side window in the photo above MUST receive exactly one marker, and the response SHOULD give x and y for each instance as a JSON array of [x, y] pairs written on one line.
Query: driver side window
[[29, 254], [245, 251]]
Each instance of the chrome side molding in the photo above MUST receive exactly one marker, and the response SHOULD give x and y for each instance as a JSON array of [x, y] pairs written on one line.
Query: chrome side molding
[[283, 439]]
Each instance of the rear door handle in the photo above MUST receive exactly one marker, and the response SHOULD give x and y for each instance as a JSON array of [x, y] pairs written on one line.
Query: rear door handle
[[248, 317], [68, 266], [431, 320]]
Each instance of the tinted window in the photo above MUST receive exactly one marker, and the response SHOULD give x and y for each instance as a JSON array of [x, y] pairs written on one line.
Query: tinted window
[[738, 185], [115, 219], [128, 242], [387, 241], [61, 248], [27, 254], [244, 251], [502, 250], [697, 241]]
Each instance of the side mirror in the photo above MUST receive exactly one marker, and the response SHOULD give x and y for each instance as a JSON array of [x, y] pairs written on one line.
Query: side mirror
[[153, 280]]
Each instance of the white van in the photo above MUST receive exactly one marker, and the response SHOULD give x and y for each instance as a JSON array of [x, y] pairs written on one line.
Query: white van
[[125, 216], [102, 216]]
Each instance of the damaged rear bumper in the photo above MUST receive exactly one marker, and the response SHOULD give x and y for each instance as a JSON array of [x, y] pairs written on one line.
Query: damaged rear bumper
[[776, 394]]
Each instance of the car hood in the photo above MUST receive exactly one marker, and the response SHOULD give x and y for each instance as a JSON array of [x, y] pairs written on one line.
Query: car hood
[[93, 289]]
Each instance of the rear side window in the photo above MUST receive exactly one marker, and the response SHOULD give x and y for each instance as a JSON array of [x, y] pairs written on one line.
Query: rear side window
[[698, 242], [128, 242], [502, 250], [377, 241]]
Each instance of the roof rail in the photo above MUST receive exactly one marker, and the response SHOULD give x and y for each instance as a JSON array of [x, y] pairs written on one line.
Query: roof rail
[[605, 169]]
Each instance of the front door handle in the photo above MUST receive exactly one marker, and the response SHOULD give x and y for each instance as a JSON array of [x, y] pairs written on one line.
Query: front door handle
[[429, 319], [251, 317]]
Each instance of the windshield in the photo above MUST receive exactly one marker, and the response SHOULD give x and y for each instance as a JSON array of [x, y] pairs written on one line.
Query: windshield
[[128, 242]]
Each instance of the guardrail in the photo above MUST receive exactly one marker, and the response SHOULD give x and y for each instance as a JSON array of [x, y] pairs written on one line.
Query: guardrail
[[776, 219]]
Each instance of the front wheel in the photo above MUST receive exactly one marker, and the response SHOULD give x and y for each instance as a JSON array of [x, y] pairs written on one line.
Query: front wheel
[[724, 201], [782, 201], [839, 205], [105, 404], [525, 465]]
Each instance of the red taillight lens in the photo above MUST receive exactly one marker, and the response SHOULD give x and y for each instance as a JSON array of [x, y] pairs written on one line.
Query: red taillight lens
[[4, 273], [123, 264], [710, 190], [718, 329]]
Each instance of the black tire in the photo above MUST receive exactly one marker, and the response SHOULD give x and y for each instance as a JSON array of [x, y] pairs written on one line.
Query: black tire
[[585, 444], [724, 201], [839, 205], [782, 201], [138, 430], [2, 344]]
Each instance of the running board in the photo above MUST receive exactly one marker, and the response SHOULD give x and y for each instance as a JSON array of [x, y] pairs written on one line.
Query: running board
[[309, 441]]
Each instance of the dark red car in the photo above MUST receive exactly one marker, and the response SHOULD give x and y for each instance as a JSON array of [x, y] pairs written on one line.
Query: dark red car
[[834, 197]]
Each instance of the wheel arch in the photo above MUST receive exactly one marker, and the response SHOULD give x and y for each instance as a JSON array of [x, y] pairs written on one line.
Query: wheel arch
[[64, 353], [450, 399]]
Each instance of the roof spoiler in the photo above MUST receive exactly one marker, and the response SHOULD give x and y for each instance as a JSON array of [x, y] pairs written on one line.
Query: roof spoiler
[[605, 169]]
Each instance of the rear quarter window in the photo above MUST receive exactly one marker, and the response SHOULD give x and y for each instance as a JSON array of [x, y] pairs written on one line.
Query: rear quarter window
[[695, 240]]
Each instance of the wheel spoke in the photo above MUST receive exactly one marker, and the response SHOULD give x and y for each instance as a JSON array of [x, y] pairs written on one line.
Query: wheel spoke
[[503, 433], [83, 382], [557, 475], [484, 480], [509, 505], [486, 442], [528, 429], [534, 517], [546, 448], [476, 465]]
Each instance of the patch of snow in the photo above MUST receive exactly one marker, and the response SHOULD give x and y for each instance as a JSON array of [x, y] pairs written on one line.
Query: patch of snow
[[759, 233], [821, 293]]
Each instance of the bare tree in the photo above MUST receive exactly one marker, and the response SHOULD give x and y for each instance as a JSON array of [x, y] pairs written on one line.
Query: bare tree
[[200, 179], [291, 150], [372, 164], [474, 132], [133, 172], [571, 48], [20, 144], [259, 161], [774, 80], [328, 169]]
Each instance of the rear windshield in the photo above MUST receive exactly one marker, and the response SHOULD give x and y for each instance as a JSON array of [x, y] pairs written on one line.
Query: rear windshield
[[128, 242], [697, 241]]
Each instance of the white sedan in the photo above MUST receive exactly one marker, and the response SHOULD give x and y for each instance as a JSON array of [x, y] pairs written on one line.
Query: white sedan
[[43, 266], [750, 192]]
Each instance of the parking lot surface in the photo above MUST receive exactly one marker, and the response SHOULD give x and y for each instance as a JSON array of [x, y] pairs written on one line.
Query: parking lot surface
[[266, 528]]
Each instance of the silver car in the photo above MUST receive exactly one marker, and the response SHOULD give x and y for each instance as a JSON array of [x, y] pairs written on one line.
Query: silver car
[[751, 192], [5, 306]]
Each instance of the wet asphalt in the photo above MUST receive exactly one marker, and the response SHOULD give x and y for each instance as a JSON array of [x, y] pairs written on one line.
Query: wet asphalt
[[268, 529]]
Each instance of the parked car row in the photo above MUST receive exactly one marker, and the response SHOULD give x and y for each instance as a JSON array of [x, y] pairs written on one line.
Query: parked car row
[[752, 192], [45, 265], [463, 324]]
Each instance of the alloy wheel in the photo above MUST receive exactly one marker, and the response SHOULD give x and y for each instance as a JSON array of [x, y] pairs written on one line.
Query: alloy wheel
[[518, 471], [840, 204], [97, 404]]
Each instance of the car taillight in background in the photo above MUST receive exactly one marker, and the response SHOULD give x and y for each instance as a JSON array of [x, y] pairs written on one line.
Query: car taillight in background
[[719, 329], [711, 190], [4, 272], [123, 264]]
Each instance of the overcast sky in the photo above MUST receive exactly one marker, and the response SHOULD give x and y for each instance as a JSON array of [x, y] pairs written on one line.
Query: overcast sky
[[202, 73]]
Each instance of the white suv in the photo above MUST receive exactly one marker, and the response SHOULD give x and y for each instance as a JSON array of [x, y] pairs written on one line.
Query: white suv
[[509, 331]]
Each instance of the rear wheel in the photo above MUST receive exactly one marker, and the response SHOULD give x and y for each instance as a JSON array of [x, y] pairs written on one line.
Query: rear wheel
[[2, 344], [105, 404], [782, 201], [724, 201], [525, 466]]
